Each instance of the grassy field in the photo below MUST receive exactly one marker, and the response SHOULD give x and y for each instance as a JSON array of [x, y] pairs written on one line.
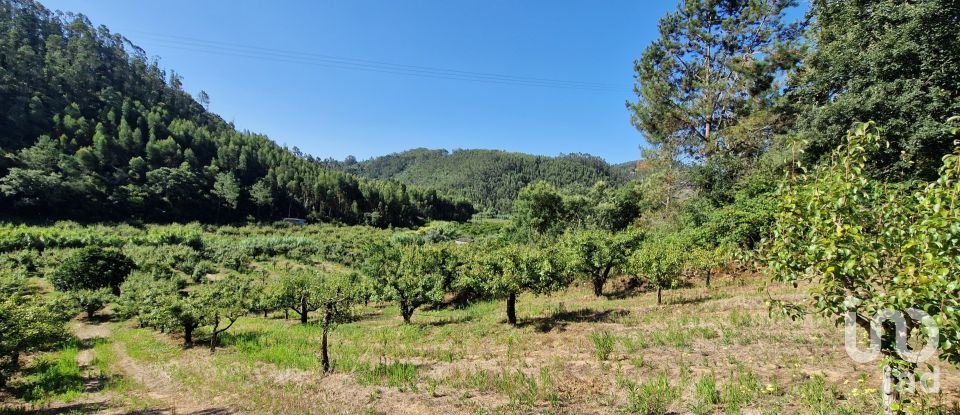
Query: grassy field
[[705, 351]]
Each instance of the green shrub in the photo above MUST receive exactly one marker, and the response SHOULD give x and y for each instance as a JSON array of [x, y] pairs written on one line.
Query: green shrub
[[91, 301], [93, 268], [28, 322]]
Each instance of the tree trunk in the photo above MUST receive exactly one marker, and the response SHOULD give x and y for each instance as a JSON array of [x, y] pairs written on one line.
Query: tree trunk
[[286, 314], [598, 286], [188, 334], [213, 340], [303, 310], [406, 311], [659, 295], [891, 395], [512, 308], [709, 272], [90, 313], [324, 356]]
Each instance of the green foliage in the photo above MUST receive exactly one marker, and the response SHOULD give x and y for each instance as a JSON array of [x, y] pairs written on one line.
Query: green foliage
[[868, 246], [714, 68], [594, 254], [29, 321], [510, 270], [413, 275], [146, 149], [885, 60], [660, 260], [490, 179], [220, 303], [91, 301], [304, 290], [542, 212], [539, 209], [50, 376], [706, 394], [93, 268]]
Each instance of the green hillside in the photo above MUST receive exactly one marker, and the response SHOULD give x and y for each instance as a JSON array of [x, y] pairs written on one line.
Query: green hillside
[[93, 129], [490, 179]]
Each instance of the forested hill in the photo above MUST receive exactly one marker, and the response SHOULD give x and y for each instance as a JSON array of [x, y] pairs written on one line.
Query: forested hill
[[490, 179], [90, 128]]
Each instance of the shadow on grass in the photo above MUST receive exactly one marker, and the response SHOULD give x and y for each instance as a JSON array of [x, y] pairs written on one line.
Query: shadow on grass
[[559, 320], [211, 411], [448, 320], [77, 408], [99, 319], [695, 299]]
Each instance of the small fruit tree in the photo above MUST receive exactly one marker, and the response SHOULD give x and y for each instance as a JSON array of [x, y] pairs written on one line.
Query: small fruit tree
[[29, 321], [595, 253], [92, 268], [869, 247], [660, 261], [221, 303], [412, 274], [508, 271], [336, 292]]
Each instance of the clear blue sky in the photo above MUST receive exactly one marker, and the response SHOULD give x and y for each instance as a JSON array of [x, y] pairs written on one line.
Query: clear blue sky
[[279, 84]]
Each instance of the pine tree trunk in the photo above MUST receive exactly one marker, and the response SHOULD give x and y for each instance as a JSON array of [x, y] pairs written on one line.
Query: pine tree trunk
[[512, 308], [187, 335], [709, 272], [659, 295]]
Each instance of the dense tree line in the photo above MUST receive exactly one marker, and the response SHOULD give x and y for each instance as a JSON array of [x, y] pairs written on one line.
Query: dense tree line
[[732, 96], [92, 129], [490, 179]]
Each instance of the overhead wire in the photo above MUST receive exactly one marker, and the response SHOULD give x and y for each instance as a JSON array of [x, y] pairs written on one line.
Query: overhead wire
[[336, 62]]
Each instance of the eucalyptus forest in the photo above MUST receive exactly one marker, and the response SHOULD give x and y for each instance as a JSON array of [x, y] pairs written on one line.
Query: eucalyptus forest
[[800, 183]]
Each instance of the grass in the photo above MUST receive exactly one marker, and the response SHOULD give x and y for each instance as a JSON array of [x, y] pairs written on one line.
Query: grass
[[603, 343], [652, 397], [706, 395], [53, 376], [144, 345], [522, 389], [739, 391], [722, 354], [403, 376]]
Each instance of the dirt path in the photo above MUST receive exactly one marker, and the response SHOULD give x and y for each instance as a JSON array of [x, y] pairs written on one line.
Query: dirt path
[[155, 384]]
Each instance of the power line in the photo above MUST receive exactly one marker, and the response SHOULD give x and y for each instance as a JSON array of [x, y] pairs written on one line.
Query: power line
[[329, 61]]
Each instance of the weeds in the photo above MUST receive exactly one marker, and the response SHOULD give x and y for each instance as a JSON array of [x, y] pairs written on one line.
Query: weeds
[[603, 342], [52, 376], [651, 398], [403, 376]]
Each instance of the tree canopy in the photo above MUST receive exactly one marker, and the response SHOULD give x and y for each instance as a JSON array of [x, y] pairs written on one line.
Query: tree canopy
[[93, 129]]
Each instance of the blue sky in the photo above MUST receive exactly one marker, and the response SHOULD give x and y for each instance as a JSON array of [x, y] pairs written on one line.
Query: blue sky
[[259, 62]]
